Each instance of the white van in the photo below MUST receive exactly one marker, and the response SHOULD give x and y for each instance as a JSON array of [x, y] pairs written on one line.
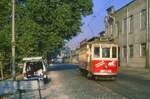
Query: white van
[[34, 68]]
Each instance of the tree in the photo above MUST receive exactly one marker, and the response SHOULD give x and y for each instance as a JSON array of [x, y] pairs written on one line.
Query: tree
[[5, 37], [49, 23], [42, 26]]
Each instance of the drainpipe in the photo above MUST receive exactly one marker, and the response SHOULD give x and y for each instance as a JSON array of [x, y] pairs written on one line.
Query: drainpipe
[[127, 48], [147, 36]]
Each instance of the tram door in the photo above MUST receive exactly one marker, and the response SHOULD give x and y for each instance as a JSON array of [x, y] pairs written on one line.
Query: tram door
[[119, 55]]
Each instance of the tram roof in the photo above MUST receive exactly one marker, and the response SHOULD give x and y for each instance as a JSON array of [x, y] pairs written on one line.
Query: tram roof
[[101, 39]]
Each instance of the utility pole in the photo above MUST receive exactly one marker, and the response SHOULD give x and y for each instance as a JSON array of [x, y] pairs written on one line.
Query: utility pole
[[147, 36], [1, 66], [13, 41], [70, 56], [1, 70]]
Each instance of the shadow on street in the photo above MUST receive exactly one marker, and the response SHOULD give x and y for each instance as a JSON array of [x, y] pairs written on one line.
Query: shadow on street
[[60, 67]]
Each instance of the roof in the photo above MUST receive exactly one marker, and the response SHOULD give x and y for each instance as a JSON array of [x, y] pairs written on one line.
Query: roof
[[83, 42], [102, 33], [125, 5], [92, 39], [32, 59]]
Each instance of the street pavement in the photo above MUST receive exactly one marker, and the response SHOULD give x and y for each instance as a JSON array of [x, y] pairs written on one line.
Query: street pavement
[[133, 83], [140, 72], [66, 82]]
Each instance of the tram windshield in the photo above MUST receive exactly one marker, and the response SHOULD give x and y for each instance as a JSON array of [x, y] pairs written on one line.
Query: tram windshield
[[114, 52], [96, 52], [106, 52]]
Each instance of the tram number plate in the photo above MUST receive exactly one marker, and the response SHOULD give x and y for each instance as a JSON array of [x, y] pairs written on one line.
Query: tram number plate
[[105, 71]]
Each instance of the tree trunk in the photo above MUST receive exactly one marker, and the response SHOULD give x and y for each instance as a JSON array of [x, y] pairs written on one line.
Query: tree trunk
[[1, 70]]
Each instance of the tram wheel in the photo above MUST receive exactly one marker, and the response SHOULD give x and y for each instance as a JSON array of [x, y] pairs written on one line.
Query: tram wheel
[[113, 78], [96, 78]]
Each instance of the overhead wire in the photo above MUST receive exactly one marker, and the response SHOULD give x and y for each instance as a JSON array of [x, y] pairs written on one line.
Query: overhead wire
[[100, 10], [94, 17], [97, 15]]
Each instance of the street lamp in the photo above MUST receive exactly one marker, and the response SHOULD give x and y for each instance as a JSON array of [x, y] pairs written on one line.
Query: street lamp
[[13, 41]]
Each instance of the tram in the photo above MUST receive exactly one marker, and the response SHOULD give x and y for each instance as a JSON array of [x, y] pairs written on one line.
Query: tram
[[98, 58]]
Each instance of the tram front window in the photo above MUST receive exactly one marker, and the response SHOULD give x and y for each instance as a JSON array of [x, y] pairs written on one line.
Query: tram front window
[[96, 52], [106, 52], [114, 52]]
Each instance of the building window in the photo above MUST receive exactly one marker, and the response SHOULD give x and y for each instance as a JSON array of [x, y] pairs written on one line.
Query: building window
[[131, 24], [143, 49], [124, 52], [117, 28], [111, 29], [143, 19], [125, 25], [131, 50]]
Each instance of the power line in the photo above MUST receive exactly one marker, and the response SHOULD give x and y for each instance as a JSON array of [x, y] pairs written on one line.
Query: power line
[[100, 10], [95, 16]]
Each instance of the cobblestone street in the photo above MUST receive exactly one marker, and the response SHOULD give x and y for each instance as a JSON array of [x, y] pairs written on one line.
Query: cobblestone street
[[66, 82], [132, 83]]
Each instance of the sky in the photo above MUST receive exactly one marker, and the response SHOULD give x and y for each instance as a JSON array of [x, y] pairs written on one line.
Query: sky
[[94, 23]]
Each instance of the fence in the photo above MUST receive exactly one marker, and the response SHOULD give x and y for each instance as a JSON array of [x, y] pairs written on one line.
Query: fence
[[21, 89]]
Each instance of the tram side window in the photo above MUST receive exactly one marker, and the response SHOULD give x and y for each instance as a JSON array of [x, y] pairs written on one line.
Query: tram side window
[[96, 52], [106, 52], [114, 52]]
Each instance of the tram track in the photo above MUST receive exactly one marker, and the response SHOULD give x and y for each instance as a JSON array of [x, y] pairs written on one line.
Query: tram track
[[116, 89], [126, 87], [129, 85]]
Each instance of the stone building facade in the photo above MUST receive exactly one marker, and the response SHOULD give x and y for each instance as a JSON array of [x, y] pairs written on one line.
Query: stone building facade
[[129, 27]]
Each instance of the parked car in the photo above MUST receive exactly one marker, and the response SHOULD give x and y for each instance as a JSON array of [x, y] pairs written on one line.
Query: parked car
[[34, 68]]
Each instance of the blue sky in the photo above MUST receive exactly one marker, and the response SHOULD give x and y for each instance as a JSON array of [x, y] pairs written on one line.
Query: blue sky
[[93, 24]]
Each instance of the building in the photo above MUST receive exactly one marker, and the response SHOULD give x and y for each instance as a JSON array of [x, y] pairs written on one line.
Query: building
[[129, 27]]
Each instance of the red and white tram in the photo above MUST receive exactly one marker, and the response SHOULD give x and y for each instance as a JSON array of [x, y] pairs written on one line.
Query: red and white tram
[[98, 58]]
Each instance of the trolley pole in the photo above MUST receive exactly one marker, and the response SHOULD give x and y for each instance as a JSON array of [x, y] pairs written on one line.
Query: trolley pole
[[13, 41], [147, 36]]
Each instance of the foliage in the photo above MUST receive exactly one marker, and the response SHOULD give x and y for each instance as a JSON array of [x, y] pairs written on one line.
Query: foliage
[[42, 26]]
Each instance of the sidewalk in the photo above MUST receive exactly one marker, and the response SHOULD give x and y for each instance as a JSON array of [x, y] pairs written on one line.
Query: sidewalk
[[134, 69], [141, 72]]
